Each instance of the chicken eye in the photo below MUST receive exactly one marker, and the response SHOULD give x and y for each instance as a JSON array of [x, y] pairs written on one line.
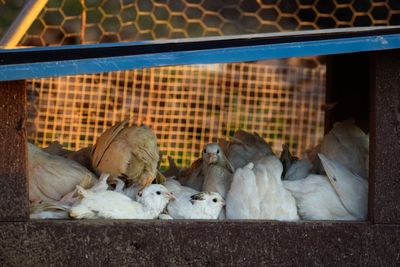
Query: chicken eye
[[158, 193], [218, 151], [215, 200]]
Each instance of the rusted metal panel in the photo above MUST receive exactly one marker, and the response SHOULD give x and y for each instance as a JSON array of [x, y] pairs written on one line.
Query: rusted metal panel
[[187, 243], [14, 204], [385, 138]]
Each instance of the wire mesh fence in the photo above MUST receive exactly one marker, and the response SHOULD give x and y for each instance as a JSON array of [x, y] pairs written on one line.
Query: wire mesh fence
[[62, 21], [187, 106]]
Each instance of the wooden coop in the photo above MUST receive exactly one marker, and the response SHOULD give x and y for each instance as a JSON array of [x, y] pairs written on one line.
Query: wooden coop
[[363, 78]]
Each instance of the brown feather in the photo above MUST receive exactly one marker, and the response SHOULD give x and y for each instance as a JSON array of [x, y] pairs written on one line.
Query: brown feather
[[127, 152], [104, 141]]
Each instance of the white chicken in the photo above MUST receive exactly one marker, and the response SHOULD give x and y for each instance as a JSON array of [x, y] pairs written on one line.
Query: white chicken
[[257, 192], [129, 191], [49, 210], [203, 205], [60, 209], [52, 176], [177, 189], [341, 195], [192, 204], [349, 145], [114, 205]]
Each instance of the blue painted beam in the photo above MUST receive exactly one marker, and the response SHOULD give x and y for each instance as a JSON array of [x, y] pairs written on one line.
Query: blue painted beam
[[230, 51]]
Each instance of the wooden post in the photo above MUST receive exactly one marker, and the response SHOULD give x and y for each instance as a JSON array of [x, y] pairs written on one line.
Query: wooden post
[[385, 138], [14, 204]]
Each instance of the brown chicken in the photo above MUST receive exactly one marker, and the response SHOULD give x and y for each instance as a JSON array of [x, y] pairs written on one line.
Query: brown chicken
[[128, 153]]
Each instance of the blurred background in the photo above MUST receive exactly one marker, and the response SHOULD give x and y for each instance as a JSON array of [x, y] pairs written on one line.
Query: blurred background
[[187, 106]]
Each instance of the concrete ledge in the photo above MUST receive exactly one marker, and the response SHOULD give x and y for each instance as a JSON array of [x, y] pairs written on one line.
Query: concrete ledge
[[199, 243]]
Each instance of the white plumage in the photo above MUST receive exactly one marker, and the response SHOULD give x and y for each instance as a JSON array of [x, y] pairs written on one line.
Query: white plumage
[[257, 193], [60, 209], [242, 201], [191, 204], [52, 176], [203, 205], [49, 210], [317, 198], [177, 189], [114, 205], [348, 145], [130, 191], [350, 188]]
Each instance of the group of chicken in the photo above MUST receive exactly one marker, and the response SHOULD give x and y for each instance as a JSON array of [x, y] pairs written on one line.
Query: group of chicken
[[240, 178]]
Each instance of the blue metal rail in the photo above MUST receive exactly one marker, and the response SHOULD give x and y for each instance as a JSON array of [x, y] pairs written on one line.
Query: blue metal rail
[[44, 62]]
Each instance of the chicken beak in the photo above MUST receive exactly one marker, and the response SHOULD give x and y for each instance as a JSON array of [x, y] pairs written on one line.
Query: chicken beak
[[223, 203], [211, 158], [170, 196]]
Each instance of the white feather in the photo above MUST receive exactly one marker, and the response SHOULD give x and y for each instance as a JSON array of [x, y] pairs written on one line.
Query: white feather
[[351, 189], [184, 207], [52, 176], [177, 189], [258, 193], [348, 145], [49, 210], [115, 205], [242, 199], [316, 199], [203, 205]]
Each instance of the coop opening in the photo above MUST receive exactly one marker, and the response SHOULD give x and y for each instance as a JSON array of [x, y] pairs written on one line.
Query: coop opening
[[247, 140]]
